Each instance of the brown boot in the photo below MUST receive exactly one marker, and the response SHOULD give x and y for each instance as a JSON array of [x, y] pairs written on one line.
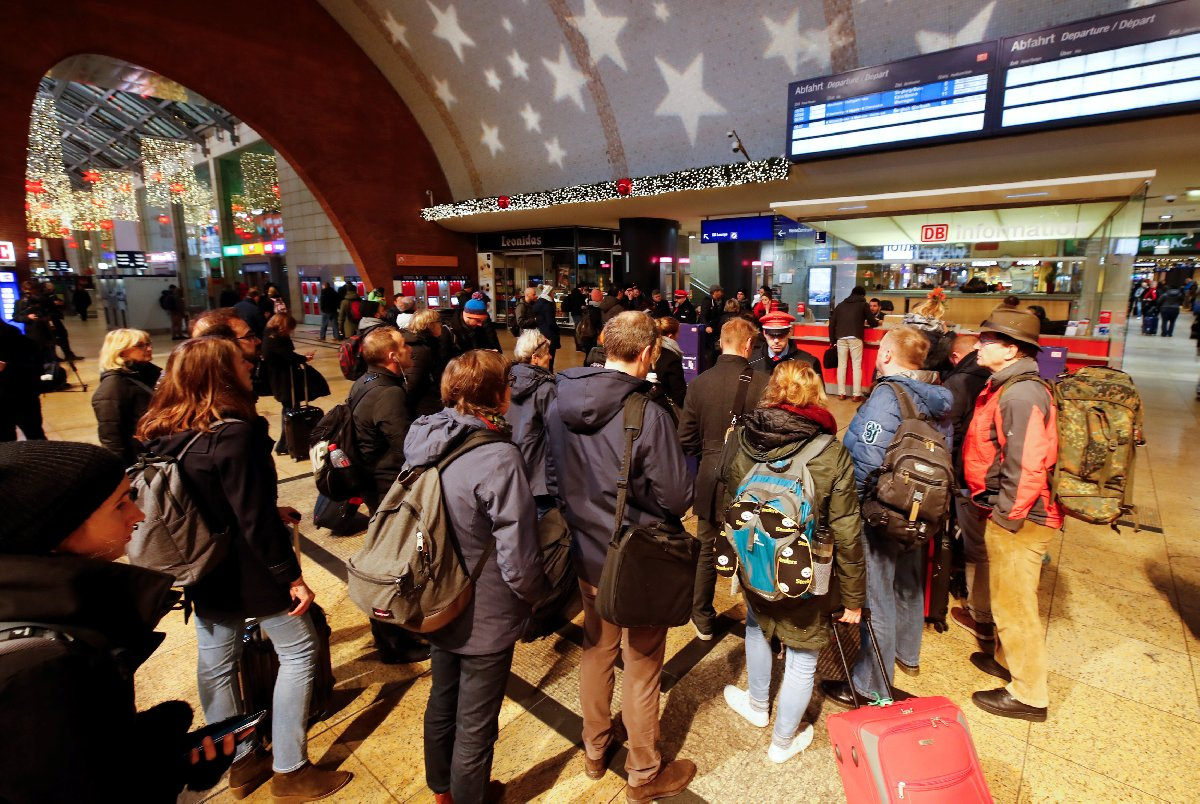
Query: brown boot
[[249, 773], [308, 783], [672, 778]]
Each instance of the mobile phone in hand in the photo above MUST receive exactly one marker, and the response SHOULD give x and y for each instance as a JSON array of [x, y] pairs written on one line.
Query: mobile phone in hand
[[230, 725]]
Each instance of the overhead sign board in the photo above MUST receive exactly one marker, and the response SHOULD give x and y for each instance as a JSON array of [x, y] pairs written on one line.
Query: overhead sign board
[[723, 230], [130, 260], [1140, 62], [8, 254]]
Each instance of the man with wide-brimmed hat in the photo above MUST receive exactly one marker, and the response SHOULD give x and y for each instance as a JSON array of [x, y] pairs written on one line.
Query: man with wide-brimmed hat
[[1008, 459]]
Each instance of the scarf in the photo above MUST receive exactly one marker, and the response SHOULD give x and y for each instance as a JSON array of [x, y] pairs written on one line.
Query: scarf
[[814, 413], [496, 422]]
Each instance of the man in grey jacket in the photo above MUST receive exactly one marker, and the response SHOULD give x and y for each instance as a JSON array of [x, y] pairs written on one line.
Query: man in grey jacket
[[587, 442]]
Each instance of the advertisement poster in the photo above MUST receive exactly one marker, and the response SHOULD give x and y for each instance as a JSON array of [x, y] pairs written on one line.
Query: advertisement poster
[[486, 280], [820, 283]]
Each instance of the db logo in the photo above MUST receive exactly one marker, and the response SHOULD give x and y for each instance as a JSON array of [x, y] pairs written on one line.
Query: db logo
[[935, 233]]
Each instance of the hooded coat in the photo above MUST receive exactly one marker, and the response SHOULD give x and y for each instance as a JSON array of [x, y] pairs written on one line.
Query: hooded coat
[[119, 401], [533, 392], [487, 499], [587, 443], [546, 314], [424, 376], [72, 731], [669, 370], [773, 434], [875, 425], [379, 401]]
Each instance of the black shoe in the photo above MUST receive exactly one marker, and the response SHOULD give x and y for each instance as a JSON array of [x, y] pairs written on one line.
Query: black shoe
[[988, 664], [838, 692], [999, 702], [417, 653]]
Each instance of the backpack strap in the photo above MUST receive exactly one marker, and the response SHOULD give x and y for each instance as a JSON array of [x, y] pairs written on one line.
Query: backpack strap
[[813, 448], [739, 401], [635, 417], [907, 409], [476, 438]]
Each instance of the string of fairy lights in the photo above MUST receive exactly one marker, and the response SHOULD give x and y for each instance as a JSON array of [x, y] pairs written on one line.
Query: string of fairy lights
[[704, 178]]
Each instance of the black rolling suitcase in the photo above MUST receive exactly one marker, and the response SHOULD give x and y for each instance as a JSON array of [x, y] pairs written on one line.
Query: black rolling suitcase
[[1149, 322], [299, 423], [939, 567], [259, 666]]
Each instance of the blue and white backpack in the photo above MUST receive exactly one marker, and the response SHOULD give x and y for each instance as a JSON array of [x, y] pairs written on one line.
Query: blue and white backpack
[[772, 537]]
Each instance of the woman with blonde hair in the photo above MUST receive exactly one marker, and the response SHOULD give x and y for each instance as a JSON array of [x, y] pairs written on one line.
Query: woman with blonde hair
[[791, 415], [424, 377], [127, 380], [205, 406], [492, 515]]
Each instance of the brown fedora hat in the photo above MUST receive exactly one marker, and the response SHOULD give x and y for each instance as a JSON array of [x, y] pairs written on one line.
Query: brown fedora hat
[[1020, 325]]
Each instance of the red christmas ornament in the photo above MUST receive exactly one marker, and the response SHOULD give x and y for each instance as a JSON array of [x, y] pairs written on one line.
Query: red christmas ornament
[[34, 187], [176, 188], [91, 176], [64, 231], [163, 219], [502, 202], [624, 186], [106, 225], [156, 176]]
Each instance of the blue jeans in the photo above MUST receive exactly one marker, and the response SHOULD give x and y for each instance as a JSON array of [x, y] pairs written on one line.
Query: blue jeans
[[219, 644], [800, 665], [896, 598], [328, 320]]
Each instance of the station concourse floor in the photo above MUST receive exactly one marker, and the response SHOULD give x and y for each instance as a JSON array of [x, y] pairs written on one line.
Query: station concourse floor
[[1122, 613]]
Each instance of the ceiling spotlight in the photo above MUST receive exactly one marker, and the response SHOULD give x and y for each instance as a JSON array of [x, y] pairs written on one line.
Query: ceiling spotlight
[[1165, 217], [737, 146]]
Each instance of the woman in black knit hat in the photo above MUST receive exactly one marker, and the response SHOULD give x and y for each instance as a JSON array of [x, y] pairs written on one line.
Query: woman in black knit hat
[[74, 626]]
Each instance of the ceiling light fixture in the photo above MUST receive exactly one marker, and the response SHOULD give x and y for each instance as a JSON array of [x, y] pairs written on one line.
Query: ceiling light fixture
[[1165, 217], [1027, 195], [1192, 192], [847, 209]]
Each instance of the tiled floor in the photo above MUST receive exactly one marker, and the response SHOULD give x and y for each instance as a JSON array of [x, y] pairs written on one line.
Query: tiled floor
[[1122, 613]]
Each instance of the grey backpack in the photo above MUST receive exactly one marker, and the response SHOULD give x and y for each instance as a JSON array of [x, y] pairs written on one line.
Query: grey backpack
[[174, 537], [410, 570]]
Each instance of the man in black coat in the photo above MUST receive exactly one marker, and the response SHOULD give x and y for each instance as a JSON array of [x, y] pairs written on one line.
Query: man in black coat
[[249, 311], [469, 328], [20, 369], [776, 345], [330, 302], [712, 310], [708, 413], [683, 309], [847, 326]]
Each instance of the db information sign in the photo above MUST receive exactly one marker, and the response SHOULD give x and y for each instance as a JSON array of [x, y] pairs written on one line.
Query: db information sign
[[8, 254], [935, 233]]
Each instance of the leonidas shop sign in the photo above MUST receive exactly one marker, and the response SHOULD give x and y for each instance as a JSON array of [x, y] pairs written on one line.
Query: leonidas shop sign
[[1179, 243]]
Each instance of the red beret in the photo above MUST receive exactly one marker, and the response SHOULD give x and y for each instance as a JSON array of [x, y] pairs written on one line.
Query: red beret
[[777, 320]]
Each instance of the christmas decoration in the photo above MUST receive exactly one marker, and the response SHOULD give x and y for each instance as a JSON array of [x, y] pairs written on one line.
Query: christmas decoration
[[163, 219], [112, 191], [624, 186], [705, 178], [260, 181], [502, 202], [47, 189]]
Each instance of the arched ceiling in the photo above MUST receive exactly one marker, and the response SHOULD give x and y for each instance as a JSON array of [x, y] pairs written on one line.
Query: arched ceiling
[[524, 95]]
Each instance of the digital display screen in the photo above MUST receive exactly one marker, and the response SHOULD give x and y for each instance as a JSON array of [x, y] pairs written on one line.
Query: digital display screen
[[1140, 59], [1139, 62], [935, 96]]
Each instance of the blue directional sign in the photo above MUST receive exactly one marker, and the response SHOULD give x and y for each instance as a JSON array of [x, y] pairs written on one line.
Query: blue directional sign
[[723, 230]]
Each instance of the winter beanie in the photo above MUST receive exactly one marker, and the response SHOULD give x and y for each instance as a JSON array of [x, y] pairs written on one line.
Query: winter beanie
[[50, 488]]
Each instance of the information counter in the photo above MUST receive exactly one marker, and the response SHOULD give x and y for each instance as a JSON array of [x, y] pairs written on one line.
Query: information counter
[[814, 339], [969, 309]]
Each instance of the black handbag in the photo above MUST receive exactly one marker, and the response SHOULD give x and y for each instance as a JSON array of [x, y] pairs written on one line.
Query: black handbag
[[650, 570], [830, 360]]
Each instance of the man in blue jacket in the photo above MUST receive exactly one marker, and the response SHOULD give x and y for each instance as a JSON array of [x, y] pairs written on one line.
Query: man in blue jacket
[[895, 593], [586, 429]]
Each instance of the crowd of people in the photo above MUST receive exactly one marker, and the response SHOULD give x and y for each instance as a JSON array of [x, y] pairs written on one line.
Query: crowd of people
[[556, 443]]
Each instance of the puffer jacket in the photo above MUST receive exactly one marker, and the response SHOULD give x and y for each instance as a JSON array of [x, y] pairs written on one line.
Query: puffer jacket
[[874, 426], [119, 402], [72, 731], [772, 434], [1011, 448], [487, 500], [587, 442], [424, 376], [533, 392]]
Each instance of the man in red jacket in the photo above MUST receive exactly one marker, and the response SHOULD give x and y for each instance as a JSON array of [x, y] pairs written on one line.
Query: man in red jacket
[[1009, 453]]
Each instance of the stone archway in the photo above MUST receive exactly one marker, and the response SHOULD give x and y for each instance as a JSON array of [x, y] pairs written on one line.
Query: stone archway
[[285, 67]]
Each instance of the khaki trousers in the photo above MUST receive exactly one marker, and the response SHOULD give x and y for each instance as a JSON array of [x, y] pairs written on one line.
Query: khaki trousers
[[642, 655], [1016, 569]]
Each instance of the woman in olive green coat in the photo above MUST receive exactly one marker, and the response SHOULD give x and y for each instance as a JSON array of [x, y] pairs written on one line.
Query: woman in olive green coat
[[791, 413]]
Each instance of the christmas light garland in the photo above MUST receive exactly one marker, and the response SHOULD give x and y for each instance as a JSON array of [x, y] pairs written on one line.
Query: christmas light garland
[[260, 181], [48, 200], [167, 171], [705, 178]]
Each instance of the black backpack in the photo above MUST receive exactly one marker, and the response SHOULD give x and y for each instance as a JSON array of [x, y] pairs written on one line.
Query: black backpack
[[166, 300], [908, 498], [338, 483]]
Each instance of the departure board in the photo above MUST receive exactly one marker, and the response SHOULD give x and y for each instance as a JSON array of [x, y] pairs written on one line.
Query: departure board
[[1122, 64], [937, 96]]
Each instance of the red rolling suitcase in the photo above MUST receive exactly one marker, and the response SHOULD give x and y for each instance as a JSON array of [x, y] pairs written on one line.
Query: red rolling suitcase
[[916, 750]]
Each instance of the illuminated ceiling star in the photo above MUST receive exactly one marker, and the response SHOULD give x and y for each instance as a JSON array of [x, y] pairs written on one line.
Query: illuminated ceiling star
[[520, 67], [601, 33], [447, 28], [491, 138], [792, 45], [506, 24], [568, 82], [969, 34], [442, 90], [395, 29], [662, 12], [533, 118], [554, 154], [492, 79], [686, 98]]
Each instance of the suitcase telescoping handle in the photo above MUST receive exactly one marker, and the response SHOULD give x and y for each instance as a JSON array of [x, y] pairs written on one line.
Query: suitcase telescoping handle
[[866, 618]]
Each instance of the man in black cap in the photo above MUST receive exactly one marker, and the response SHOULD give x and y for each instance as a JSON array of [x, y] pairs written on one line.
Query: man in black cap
[[74, 626], [1009, 453]]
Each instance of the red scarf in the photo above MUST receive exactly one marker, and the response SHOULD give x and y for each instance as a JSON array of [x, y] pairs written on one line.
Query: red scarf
[[816, 414]]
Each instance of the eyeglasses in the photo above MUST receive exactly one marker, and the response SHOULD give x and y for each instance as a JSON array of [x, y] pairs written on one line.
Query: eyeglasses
[[249, 336], [144, 345]]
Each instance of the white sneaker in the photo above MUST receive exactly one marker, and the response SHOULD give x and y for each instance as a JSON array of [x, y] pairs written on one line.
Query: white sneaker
[[799, 743], [703, 637], [739, 701]]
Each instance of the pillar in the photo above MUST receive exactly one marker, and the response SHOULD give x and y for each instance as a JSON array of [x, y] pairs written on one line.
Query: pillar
[[734, 265], [644, 241]]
